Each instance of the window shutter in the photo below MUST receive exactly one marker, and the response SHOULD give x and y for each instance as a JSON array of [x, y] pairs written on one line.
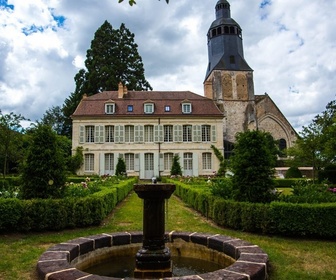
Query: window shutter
[[213, 133], [197, 133], [158, 133], [136, 134], [81, 134], [116, 134], [99, 134], [96, 132], [178, 133], [137, 162], [121, 134]]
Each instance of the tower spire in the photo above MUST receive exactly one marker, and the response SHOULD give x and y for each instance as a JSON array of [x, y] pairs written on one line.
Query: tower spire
[[225, 42]]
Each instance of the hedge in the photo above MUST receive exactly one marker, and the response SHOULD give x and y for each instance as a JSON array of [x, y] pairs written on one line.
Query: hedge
[[56, 214], [278, 218]]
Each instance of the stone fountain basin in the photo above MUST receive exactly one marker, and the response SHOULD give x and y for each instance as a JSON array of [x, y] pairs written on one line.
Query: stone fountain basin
[[64, 261]]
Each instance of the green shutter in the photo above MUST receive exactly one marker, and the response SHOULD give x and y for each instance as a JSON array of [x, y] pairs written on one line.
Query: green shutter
[[178, 133], [81, 134], [213, 133], [158, 133], [197, 137]]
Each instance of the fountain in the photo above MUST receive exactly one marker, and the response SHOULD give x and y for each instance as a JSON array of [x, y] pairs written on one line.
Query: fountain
[[153, 260], [151, 250]]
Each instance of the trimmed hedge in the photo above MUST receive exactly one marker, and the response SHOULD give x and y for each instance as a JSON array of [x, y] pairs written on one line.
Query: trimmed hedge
[[280, 218], [57, 214]]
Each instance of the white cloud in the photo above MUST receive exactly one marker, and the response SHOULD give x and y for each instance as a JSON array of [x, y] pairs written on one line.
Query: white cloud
[[289, 44]]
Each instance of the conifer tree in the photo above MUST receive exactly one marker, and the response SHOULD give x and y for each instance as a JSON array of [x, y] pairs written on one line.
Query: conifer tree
[[112, 58]]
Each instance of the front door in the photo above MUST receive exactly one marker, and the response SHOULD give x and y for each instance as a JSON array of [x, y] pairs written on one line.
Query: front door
[[149, 166]]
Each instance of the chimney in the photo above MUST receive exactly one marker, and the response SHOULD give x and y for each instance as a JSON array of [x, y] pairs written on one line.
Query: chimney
[[84, 96], [120, 90], [125, 90]]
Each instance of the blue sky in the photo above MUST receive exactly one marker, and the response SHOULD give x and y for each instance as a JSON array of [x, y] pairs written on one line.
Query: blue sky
[[290, 45]]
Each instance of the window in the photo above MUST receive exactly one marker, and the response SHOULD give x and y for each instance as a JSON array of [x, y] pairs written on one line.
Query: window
[[149, 133], [282, 144], [109, 163], [129, 108], [206, 161], [187, 161], [168, 161], [129, 133], [167, 108], [129, 160], [149, 108], [168, 133], [109, 133], [206, 134], [89, 134], [186, 108], [232, 59], [187, 133], [89, 162], [110, 108]]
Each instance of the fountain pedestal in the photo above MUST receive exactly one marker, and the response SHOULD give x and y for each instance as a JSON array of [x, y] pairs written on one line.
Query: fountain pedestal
[[153, 259]]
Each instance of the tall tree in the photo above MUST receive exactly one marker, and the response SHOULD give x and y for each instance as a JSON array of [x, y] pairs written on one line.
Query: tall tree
[[253, 163], [10, 135], [112, 58]]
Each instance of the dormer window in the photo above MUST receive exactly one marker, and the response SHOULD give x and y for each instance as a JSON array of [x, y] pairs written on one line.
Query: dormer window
[[167, 108], [109, 108], [186, 108], [148, 108], [129, 108]]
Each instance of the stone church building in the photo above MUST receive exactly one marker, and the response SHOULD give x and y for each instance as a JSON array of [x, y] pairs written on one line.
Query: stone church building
[[229, 82]]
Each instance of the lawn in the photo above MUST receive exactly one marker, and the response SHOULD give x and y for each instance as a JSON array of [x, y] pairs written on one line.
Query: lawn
[[290, 258]]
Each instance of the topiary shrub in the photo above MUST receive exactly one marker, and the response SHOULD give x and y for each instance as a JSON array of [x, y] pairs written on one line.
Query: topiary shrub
[[293, 172], [176, 167], [121, 167]]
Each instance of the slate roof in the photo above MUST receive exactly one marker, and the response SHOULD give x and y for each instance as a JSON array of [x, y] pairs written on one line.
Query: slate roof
[[94, 105]]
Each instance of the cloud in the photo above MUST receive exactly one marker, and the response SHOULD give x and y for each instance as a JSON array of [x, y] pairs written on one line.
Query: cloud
[[289, 44]]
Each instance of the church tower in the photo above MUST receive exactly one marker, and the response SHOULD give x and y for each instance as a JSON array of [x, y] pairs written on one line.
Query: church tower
[[229, 79]]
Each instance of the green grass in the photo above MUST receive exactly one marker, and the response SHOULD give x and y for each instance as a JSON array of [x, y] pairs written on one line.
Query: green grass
[[290, 259]]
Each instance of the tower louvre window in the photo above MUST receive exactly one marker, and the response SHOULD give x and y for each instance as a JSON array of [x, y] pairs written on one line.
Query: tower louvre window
[[226, 30], [232, 59]]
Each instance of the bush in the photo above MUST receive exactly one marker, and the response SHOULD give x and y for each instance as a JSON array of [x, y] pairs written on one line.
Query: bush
[[253, 164], [121, 167], [222, 188], [43, 173], [56, 214], [328, 174], [289, 219], [293, 172], [176, 167]]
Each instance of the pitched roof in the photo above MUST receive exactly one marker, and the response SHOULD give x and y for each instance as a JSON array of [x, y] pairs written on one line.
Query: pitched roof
[[94, 105]]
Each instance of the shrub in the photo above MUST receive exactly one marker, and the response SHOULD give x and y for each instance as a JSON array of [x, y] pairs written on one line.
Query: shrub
[[293, 172], [289, 219], [43, 173], [222, 188], [57, 214], [121, 167], [176, 167], [253, 164]]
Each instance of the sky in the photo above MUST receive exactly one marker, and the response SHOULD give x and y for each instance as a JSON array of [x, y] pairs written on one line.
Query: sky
[[290, 45]]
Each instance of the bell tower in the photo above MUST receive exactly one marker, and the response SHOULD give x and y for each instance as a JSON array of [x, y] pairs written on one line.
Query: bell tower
[[229, 79]]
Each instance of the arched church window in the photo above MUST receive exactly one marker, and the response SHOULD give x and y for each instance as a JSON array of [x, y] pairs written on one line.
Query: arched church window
[[282, 144], [226, 30]]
